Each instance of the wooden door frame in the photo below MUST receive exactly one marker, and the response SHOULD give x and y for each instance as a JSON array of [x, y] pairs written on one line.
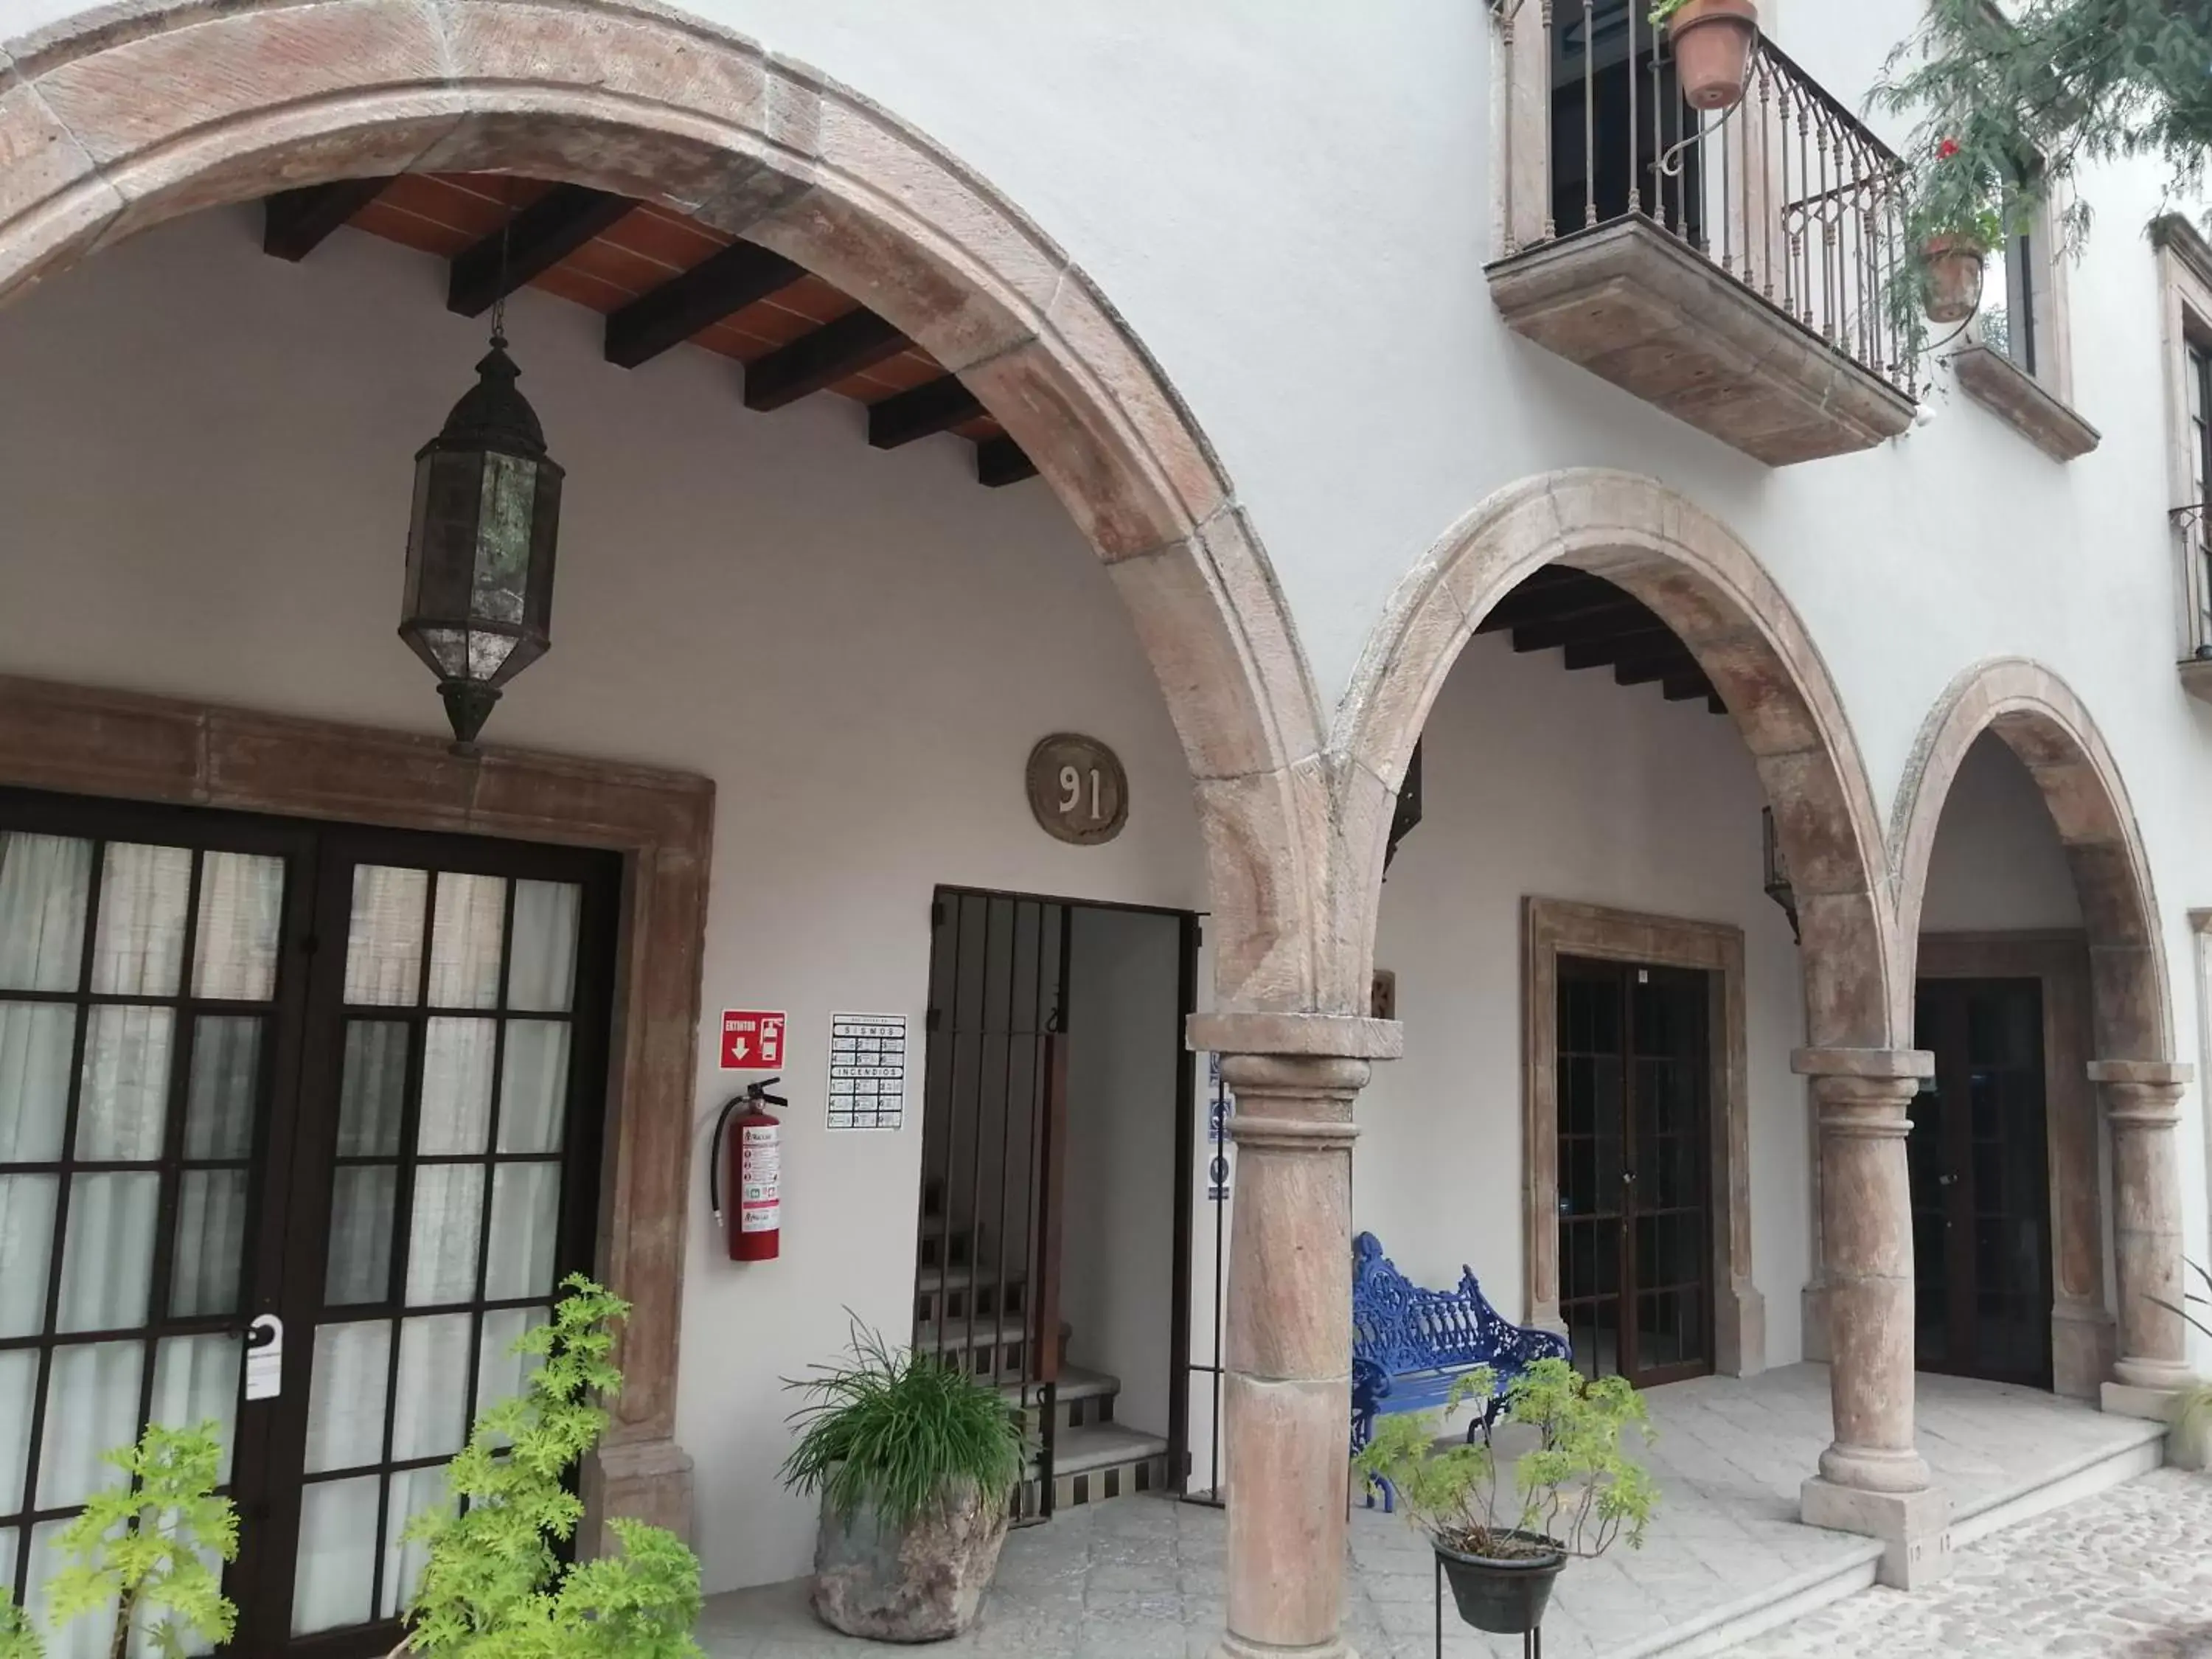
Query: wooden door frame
[[1551, 928], [2082, 1342], [125, 746]]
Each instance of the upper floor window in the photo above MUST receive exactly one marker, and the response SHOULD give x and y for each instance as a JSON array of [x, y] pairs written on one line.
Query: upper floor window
[[2186, 297], [1622, 137]]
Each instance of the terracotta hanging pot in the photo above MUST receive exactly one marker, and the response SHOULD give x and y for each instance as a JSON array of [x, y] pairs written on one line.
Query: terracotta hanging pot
[[1712, 41], [1954, 277]]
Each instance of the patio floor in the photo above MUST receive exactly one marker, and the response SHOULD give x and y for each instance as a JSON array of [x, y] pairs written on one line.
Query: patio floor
[[1141, 1577]]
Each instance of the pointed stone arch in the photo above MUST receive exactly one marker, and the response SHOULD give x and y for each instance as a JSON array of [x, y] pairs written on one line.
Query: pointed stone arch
[[1707, 587], [118, 118]]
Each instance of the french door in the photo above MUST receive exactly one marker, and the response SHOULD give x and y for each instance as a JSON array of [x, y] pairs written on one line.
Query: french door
[[1978, 1165], [329, 1093], [1635, 1154]]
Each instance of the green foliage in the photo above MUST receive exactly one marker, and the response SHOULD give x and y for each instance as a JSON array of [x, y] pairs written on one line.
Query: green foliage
[[493, 1586], [17, 1639], [897, 1431], [139, 1549], [1576, 1487], [1663, 9], [2008, 108]]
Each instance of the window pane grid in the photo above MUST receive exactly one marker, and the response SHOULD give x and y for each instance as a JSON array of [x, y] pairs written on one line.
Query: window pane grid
[[466, 1122], [162, 925]]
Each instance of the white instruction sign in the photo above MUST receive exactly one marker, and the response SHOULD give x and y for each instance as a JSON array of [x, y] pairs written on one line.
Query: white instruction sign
[[867, 1071]]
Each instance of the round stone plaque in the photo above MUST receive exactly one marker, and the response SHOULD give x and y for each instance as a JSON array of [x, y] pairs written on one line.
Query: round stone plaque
[[1078, 789]]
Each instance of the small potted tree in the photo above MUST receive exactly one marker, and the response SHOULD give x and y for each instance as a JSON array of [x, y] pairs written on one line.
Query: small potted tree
[[1712, 41], [915, 1464], [1575, 1494]]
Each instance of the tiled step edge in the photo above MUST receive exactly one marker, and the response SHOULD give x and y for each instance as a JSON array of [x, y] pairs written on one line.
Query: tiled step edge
[[1764, 1610], [2084, 1477]]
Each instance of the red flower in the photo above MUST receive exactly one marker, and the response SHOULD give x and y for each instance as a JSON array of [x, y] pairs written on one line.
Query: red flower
[[1946, 149]]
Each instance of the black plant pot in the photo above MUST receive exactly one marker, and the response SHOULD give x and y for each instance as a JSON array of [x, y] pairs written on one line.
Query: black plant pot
[[1506, 1598]]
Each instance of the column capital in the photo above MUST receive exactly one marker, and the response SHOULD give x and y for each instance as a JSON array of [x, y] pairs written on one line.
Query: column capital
[[1896, 1064], [2142, 1094], [1339, 1036]]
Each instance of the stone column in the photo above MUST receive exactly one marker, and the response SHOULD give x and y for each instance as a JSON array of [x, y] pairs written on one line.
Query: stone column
[[1287, 1397], [1873, 1478], [2143, 1102]]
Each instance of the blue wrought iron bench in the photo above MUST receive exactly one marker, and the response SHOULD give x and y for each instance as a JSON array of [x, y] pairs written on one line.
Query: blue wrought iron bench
[[1410, 1345]]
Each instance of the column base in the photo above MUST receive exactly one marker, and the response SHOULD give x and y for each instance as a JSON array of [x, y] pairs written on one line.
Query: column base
[[2151, 1375], [1868, 1468], [1235, 1647], [1914, 1528], [648, 1480]]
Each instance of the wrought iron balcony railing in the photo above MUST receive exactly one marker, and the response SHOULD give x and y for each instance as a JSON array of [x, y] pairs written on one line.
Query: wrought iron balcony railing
[[1788, 193]]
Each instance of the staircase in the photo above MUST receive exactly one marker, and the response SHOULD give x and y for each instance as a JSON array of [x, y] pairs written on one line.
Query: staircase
[[1093, 1456], [979, 1321]]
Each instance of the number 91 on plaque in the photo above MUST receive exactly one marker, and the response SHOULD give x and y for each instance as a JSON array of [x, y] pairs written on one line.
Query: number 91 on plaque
[[1078, 789]]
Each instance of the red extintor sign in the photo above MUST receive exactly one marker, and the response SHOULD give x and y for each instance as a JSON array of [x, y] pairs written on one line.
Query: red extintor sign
[[752, 1041]]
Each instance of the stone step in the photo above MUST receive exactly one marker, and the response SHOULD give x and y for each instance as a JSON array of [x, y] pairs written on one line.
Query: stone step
[[1081, 1398], [1091, 1465]]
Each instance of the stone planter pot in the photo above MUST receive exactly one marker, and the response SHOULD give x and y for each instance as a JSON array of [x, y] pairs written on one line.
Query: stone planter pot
[[1504, 1597], [1712, 41], [923, 1583], [1955, 268]]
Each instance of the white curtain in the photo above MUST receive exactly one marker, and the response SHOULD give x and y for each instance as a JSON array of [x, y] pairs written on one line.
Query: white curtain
[[219, 1100], [457, 1057], [139, 948], [430, 1416], [92, 1406], [384, 939], [533, 1089], [443, 1234], [464, 941], [241, 911], [333, 1582], [346, 1394], [43, 882], [543, 977], [526, 1207]]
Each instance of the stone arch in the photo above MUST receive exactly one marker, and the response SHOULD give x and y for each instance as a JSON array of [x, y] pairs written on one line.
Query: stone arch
[[1710, 589], [118, 118], [2040, 719]]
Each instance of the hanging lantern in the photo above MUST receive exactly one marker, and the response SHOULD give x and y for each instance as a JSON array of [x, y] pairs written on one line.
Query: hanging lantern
[[479, 602]]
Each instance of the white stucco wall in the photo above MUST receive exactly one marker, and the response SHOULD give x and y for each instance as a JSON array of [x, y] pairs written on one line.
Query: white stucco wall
[[1997, 864], [206, 458], [1537, 782], [1117, 1239]]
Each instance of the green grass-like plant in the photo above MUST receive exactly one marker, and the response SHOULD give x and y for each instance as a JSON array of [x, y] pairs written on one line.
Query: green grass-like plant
[[138, 1553], [2192, 1412], [1576, 1488], [494, 1586], [899, 1430]]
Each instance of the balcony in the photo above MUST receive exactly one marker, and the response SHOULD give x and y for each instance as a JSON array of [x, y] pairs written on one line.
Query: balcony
[[1729, 269]]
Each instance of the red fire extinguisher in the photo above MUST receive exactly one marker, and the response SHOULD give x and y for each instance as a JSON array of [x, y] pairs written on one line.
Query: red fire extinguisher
[[754, 1176]]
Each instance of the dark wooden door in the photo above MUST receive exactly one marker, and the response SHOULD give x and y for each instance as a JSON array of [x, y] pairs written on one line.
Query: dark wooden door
[[1979, 1163], [1635, 1155], [263, 1078]]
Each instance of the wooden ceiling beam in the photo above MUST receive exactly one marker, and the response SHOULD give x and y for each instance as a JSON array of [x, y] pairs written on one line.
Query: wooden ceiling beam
[[1572, 594], [740, 274], [1715, 705], [295, 222], [1607, 648], [1614, 621], [534, 240], [1643, 670], [934, 406], [858, 340], [1681, 687], [1000, 461]]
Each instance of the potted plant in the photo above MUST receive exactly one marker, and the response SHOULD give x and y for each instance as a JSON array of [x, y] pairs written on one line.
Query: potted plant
[[1575, 1494], [1712, 41], [2192, 1407], [915, 1463]]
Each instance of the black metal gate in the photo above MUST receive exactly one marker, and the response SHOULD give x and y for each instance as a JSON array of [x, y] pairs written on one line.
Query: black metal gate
[[994, 1116]]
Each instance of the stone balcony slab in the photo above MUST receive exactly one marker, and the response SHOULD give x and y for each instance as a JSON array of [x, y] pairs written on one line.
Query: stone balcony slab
[[1635, 304]]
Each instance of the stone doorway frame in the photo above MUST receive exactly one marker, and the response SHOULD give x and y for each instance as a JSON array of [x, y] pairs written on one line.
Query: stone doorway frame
[[125, 746], [2081, 1335], [1551, 928]]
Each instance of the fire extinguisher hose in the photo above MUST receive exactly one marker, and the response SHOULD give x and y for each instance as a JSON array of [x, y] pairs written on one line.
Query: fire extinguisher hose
[[755, 1096]]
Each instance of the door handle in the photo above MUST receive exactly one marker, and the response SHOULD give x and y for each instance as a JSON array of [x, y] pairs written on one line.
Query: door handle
[[1628, 1177], [1947, 1181]]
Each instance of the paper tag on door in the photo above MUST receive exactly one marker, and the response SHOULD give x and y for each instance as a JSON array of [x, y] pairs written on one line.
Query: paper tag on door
[[264, 1358]]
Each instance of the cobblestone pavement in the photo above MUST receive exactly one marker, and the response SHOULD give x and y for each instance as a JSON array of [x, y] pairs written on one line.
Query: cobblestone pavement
[[2124, 1575]]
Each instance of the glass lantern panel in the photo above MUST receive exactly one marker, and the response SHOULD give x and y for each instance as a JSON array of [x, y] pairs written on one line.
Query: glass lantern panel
[[507, 508]]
